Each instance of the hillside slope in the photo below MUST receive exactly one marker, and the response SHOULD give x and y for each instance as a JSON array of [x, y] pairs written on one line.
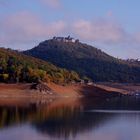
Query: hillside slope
[[17, 67], [86, 60]]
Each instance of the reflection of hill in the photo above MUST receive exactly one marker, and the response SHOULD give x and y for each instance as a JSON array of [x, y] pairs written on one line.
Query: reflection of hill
[[59, 117], [66, 122], [70, 123], [123, 103], [64, 117]]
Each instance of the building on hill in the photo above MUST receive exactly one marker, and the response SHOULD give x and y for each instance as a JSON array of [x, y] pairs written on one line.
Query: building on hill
[[68, 39]]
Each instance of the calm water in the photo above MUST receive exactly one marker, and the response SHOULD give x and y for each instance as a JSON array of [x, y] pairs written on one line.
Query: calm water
[[116, 119]]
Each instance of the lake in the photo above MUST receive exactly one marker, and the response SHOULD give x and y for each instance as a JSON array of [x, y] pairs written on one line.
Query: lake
[[70, 119]]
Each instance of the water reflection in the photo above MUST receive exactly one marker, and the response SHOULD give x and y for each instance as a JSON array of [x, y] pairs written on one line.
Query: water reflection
[[66, 126], [72, 118], [19, 113]]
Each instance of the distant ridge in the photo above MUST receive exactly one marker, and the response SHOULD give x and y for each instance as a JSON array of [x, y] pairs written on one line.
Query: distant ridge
[[86, 60]]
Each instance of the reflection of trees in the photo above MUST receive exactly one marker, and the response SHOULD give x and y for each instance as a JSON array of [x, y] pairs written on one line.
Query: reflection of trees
[[64, 120], [70, 123], [54, 120], [16, 114]]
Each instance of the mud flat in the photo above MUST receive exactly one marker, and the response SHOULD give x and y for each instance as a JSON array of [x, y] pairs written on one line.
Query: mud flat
[[77, 90], [124, 88]]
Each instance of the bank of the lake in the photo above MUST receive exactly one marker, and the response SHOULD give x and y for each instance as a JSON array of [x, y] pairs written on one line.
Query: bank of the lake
[[73, 90]]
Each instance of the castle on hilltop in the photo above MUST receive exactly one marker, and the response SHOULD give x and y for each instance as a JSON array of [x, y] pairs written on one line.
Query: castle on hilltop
[[68, 39]]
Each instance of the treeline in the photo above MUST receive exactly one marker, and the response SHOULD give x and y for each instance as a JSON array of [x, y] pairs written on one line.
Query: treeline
[[87, 61], [16, 67]]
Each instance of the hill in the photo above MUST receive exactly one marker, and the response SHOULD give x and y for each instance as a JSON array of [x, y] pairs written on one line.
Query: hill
[[86, 60], [17, 67]]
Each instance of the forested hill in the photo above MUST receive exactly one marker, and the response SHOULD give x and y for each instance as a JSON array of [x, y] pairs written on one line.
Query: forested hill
[[17, 67], [86, 60]]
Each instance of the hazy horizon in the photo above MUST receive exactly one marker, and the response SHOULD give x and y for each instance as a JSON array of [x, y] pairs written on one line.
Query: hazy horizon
[[113, 27]]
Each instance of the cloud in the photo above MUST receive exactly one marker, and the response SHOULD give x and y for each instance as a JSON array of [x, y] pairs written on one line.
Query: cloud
[[25, 27], [51, 3], [100, 30], [109, 14]]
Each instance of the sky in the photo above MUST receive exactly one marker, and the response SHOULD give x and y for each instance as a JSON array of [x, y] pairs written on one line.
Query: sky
[[110, 25]]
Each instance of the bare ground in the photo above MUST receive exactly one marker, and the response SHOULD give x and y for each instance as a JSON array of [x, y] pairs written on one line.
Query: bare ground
[[124, 88], [24, 91]]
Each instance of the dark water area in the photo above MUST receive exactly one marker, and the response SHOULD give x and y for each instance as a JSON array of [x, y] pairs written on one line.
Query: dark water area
[[61, 119]]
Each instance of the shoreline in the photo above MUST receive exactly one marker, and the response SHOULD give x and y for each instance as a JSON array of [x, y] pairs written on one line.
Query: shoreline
[[78, 90], [101, 90], [124, 88]]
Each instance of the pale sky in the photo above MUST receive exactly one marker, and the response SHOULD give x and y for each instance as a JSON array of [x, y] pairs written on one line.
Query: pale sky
[[111, 25]]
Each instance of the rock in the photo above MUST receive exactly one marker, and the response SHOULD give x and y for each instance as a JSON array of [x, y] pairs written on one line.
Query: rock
[[42, 88]]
